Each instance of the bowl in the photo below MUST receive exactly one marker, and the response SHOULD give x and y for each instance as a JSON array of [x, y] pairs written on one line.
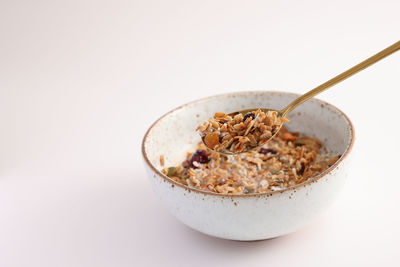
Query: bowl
[[254, 216]]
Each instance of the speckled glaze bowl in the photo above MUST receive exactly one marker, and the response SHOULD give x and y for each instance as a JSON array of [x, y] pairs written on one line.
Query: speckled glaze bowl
[[252, 216]]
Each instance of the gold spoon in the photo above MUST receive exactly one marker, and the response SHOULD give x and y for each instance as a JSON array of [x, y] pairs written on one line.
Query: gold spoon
[[300, 100]]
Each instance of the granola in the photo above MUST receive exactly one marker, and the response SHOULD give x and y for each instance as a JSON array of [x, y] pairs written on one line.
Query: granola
[[286, 160], [240, 133]]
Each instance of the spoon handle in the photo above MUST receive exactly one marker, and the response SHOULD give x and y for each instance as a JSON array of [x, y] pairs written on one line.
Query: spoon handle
[[343, 76]]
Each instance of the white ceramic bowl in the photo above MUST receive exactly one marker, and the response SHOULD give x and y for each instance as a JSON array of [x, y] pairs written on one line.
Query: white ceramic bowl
[[252, 216]]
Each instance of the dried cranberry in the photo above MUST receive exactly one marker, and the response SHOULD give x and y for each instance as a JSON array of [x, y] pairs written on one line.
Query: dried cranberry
[[267, 150], [199, 156], [248, 115], [202, 153]]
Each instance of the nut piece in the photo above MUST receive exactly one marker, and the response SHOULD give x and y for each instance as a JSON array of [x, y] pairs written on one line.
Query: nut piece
[[212, 139], [219, 115], [289, 136]]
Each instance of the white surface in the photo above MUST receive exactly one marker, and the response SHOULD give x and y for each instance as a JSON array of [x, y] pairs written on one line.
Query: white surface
[[80, 82]]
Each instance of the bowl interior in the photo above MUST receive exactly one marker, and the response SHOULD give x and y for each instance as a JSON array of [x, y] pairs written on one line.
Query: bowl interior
[[174, 134]]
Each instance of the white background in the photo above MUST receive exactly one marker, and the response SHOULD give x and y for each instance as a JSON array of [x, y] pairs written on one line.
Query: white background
[[81, 81]]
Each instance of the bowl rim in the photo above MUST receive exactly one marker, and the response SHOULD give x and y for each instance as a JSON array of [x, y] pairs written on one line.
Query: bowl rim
[[294, 187]]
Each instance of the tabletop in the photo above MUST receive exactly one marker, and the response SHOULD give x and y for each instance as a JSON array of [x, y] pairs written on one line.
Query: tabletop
[[81, 81]]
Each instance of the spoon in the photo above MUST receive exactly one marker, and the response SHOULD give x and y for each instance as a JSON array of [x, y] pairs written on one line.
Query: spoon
[[300, 100]]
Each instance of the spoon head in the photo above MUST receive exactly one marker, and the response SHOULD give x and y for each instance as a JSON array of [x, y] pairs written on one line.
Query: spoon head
[[259, 144]]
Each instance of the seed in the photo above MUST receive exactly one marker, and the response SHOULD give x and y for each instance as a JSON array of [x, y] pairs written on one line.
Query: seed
[[274, 172], [171, 171]]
